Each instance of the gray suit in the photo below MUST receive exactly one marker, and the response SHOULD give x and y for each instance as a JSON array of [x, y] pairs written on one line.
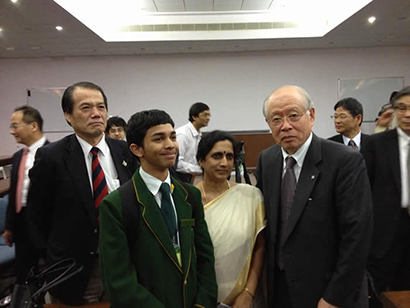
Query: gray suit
[[329, 229]]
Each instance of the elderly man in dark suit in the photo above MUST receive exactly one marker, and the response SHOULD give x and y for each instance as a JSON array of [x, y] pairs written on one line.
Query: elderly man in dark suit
[[26, 125], [388, 162], [348, 118], [68, 181], [318, 206]]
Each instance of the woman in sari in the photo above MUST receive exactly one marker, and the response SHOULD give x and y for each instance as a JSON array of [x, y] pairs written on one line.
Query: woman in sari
[[236, 219]]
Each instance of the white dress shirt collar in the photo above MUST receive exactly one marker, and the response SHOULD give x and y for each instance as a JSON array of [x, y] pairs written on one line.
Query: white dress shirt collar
[[300, 154], [193, 130], [153, 184], [86, 147], [357, 139], [39, 143]]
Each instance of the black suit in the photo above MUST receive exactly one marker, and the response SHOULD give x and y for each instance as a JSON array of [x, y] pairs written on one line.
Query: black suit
[[18, 224], [328, 232], [62, 207], [382, 156], [339, 138]]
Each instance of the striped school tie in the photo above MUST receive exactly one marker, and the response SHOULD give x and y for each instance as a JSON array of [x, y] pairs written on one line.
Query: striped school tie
[[100, 188]]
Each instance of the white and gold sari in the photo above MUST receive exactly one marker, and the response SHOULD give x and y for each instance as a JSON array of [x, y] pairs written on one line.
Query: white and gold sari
[[234, 220]]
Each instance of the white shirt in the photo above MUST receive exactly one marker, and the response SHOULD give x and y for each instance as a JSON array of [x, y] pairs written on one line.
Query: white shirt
[[357, 139], [188, 139], [106, 162], [31, 154], [299, 156], [404, 142], [153, 185]]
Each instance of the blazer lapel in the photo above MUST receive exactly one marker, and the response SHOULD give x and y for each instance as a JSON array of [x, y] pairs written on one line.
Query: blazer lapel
[[152, 216], [77, 169], [119, 162], [307, 180], [184, 212]]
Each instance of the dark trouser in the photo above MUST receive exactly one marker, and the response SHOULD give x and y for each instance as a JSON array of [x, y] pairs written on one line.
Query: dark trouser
[[281, 296], [392, 272], [26, 254]]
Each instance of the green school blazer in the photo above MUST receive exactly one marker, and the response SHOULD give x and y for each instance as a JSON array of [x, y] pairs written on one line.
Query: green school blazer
[[150, 276]]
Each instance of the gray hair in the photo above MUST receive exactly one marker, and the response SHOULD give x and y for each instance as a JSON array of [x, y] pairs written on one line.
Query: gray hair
[[307, 102]]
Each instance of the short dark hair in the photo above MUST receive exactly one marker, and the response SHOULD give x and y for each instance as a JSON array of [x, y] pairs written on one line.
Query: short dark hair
[[67, 101], [209, 140], [115, 121], [142, 121], [31, 115], [403, 92], [392, 95], [196, 109], [352, 105]]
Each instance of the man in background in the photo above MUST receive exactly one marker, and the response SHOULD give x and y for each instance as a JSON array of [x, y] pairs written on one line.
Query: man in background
[[26, 125], [116, 128], [387, 157], [348, 118], [188, 137], [69, 179]]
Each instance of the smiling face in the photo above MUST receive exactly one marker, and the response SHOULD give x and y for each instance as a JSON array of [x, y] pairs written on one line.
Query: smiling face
[[159, 150], [287, 103], [89, 116], [219, 162]]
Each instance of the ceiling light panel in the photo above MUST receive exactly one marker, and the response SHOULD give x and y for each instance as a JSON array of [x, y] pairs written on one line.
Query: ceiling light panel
[[116, 21]]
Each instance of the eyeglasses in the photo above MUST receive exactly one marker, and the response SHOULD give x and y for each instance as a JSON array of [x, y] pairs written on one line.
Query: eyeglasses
[[115, 130], [14, 126], [402, 108], [339, 116], [292, 117]]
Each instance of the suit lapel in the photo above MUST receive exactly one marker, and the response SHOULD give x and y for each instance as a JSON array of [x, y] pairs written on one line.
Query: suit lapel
[[152, 216], [76, 167], [119, 162], [393, 148], [184, 212], [307, 180]]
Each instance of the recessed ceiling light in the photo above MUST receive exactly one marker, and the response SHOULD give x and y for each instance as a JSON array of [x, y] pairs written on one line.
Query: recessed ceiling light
[[59, 28], [1, 29], [372, 19], [35, 48], [14, 1], [10, 48]]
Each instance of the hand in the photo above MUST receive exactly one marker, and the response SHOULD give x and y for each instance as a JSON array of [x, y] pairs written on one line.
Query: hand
[[324, 304], [385, 118], [8, 237], [244, 300]]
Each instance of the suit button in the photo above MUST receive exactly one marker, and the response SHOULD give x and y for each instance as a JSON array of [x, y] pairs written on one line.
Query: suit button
[[92, 253], [95, 231]]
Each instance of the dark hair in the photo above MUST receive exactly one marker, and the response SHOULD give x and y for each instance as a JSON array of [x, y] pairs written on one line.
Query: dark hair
[[209, 140], [142, 121], [403, 92], [196, 109], [67, 101], [392, 96], [352, 105], [31, 115], [115, 121]]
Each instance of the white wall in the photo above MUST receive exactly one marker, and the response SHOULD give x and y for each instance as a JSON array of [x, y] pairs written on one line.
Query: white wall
[[233, 85]]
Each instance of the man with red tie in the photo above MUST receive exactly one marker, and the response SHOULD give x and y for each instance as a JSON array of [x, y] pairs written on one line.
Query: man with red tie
[[26, 125], [69, 179]]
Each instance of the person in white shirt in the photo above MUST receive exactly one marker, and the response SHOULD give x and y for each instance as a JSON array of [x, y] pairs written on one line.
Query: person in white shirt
[[26, 125], [188, 137], [348, 118]]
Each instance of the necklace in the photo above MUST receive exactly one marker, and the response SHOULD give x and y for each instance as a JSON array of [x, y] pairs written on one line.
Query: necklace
[[202, 189]]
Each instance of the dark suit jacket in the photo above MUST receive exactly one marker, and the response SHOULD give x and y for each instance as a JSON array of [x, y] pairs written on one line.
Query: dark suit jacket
[[62, 208], [330, 224], [148, 274], [339, 138], [11, 208], [382, 156]]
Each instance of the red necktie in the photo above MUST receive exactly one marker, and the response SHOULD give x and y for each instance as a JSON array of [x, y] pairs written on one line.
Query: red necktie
[[100, 188], [20, 181]]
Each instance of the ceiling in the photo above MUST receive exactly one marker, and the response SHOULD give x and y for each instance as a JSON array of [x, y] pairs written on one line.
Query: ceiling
[[28, 30]]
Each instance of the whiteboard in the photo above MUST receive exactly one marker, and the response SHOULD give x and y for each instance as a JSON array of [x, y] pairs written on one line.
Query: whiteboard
[[48, 102], [372, 93]]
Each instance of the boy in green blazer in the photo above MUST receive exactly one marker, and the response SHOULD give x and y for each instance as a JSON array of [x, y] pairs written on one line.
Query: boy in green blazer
[[167, 258]]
